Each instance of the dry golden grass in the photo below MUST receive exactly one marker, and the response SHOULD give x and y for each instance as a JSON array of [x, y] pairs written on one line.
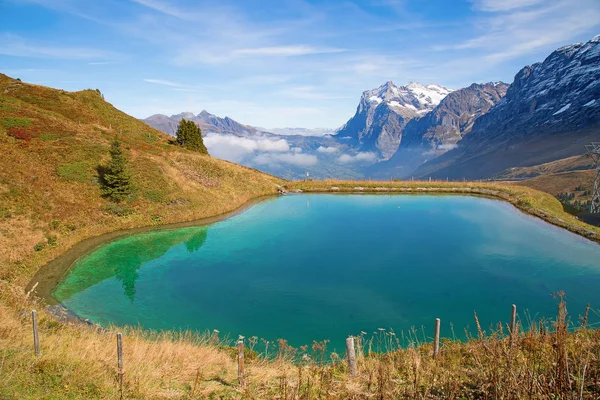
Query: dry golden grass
[[79, 362]]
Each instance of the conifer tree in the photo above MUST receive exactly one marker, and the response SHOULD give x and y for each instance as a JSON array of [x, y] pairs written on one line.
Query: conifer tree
[[115, 178], [189, 136]]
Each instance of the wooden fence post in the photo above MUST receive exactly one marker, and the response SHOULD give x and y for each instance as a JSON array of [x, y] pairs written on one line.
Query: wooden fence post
[[121, 370], [36, 338], [351, 354], [240, 345], [436, 338], [513, 325]]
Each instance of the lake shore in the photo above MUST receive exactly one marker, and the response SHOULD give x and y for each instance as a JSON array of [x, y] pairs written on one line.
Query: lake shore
[[167, 365], [50, 274]]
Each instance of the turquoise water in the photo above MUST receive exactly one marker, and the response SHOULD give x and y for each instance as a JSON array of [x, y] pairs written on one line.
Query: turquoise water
[[315, 267]]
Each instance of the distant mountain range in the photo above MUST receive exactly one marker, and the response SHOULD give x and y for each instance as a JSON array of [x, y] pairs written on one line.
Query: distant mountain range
[[207, 122], [549, 112]]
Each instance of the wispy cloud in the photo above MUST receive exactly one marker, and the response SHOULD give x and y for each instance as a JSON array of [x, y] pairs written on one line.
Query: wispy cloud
[[17, 46], [301, 160], [328, 149], [166, 8], [286, 51], [103, 63], [164, 82], [518, 27], [358, 157], [502, 5]]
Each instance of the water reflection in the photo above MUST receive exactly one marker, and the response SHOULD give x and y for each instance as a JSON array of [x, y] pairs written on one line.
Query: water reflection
[[123, 258]]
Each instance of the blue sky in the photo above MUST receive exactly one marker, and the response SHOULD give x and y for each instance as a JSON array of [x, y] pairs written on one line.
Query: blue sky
[[277, 63]]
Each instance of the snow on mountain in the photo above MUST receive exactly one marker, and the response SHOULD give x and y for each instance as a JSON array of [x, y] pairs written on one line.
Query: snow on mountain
[[549, 111], [383, 113]]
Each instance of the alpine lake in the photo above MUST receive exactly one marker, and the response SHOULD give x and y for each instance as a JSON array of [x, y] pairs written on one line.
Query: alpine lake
[[321, 267]]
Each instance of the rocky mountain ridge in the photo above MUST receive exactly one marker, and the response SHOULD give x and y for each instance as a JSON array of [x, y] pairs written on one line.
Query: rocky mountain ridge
[[550, 110], [382, 114]]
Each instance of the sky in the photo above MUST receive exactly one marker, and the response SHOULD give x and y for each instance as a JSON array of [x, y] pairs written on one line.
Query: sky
[[277, 63]]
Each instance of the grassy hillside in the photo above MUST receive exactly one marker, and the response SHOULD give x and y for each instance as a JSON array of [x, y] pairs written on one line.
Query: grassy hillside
[[51, 141]]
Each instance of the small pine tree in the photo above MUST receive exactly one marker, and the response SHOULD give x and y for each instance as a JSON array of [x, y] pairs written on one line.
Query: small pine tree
[[115, 178], [189, 136]]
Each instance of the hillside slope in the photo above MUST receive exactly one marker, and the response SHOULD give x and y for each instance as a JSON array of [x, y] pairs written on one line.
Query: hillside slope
[[52, 142]]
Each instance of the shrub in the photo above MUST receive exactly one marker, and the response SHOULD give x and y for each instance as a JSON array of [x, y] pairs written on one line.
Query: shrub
[[52, 240], [21, 133], [75, 171], [39, 246]]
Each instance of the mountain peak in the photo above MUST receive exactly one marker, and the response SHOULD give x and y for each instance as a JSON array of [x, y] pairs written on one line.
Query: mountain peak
[[415, 96]]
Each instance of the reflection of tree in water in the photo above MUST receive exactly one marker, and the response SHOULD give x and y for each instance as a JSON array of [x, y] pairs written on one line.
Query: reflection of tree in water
[[196, 241], [127, 276], [144, 251], [122, 260]]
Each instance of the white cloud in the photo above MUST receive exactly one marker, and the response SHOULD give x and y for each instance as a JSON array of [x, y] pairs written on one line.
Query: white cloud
[[447, 146], [301, 160], [502, 5], [359, 157], [285, 51], [234, 148], [164, 82], [327, 149], [296, 150]]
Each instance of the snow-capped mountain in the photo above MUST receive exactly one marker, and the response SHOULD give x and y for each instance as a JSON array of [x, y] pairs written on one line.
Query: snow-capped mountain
[[550, 110], [440, 129], [382, 114]]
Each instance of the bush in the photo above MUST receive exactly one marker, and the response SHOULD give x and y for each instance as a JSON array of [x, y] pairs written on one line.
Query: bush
[[21, 133], [52, 240], [39, 246]]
